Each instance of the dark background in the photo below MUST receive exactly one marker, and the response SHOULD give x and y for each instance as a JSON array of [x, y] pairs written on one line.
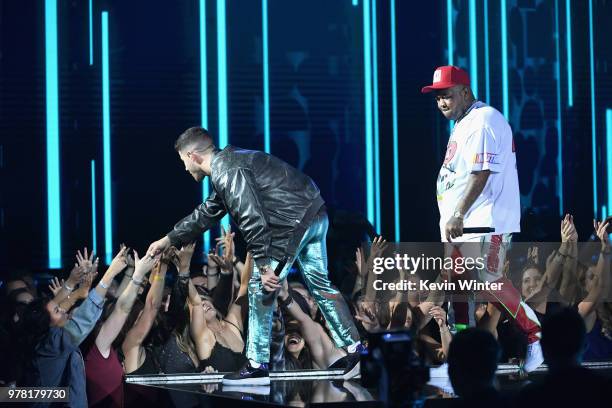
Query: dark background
[[316, 68]]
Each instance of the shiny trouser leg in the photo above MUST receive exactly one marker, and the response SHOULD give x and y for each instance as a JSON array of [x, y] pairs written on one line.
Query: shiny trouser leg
[[311, 258], [508, 298]]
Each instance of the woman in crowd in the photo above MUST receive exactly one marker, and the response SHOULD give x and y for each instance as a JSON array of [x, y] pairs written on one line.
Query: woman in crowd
[[540, 289], [178, 353], [51, 339], [321, 348], [219, 339], [102, 365], [596, 282]]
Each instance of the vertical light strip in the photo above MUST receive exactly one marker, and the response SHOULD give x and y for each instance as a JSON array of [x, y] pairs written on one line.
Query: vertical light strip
[[204, 105], [54, 232], [593, 111], [222, 80], [504, 59], [94, 226], [609, 154], [473, 49], [559, 124], [451, 43], [266, 77], [222, 72], [106, 138], [376, 129], [367, 67], [396, 192], [568, 45], [90, 33], [486, 47], [449, 31]]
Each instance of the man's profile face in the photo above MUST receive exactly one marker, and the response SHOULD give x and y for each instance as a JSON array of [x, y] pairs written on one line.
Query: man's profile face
[[452, 101], [189, 158]]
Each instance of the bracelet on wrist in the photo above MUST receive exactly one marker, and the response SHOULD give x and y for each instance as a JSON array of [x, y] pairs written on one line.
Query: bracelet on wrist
[[68, 288], [137, 282], [104, 285]]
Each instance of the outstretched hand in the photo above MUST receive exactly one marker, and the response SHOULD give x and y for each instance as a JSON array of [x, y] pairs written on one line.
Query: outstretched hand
[[158, 246], [602, 232], [55, 286], [144, 265], [182, 258]]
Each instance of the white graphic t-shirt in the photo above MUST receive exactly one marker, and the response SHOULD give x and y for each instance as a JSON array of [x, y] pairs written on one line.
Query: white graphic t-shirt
[[482, 140]]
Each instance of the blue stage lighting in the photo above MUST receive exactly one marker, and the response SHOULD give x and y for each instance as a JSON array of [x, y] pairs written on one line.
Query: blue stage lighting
[[204, 103], [54, 220], [106, 138], [396, 192]]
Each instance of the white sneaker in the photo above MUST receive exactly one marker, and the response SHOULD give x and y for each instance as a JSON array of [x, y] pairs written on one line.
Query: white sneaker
[[534, 357]]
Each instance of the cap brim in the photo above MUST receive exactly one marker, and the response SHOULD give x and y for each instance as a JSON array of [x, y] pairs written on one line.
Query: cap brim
[[429, 88]]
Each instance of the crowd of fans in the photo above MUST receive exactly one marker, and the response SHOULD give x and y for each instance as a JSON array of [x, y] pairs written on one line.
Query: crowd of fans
[[161, 315]]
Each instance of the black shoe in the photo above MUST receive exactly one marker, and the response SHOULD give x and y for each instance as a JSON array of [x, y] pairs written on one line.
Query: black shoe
[[248, 376], [353, 365]]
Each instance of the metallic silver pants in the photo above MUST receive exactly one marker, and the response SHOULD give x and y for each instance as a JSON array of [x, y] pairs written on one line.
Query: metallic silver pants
[[311, 259]]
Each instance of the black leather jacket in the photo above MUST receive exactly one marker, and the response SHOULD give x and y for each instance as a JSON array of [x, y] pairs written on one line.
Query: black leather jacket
[[271, 202]]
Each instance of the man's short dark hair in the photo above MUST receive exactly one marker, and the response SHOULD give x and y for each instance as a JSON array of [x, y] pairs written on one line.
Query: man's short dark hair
[[194, 137], [472, 359], [568, 325]]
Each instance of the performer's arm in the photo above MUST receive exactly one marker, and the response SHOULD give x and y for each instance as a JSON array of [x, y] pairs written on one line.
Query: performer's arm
[[602, 274], [112, 326], [204, 217], [136, 335], [248, 212], [476, 183]]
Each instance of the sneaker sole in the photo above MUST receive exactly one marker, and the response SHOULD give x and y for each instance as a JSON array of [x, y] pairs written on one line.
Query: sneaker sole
[[353, 372], [248, 389], [248, 381]]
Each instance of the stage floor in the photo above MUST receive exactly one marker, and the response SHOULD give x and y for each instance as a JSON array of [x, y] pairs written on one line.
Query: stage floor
[[313, 388]]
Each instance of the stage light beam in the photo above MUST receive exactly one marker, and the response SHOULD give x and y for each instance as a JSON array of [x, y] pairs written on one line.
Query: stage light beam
[[54, 220]]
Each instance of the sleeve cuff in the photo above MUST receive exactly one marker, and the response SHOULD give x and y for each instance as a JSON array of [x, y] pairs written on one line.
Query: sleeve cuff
[[174, 239], [261, 262]]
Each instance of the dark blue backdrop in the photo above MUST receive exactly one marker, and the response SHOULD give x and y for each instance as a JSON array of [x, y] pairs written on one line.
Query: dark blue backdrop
[[316, 69]]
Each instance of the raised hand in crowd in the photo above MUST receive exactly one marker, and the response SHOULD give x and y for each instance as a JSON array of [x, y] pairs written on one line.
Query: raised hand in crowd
[[377, 249], [439, 315], [86, 260], [117, 265], [568, 229], [112, 326], [133, 351], [366, 313], [226, 244], [76, 274], [361, 271], [55, 286], [597, 283], [533, 255], [182, 259], [85, 285], [158, 246]]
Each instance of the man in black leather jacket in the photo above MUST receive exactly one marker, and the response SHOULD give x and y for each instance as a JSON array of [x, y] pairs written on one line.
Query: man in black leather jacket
[[282, 217]]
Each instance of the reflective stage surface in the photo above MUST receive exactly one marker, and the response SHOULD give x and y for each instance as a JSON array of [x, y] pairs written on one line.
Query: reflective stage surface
[[308, 388]]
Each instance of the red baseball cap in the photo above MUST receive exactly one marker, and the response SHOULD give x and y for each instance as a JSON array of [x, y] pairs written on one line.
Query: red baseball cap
[[447, 77]]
